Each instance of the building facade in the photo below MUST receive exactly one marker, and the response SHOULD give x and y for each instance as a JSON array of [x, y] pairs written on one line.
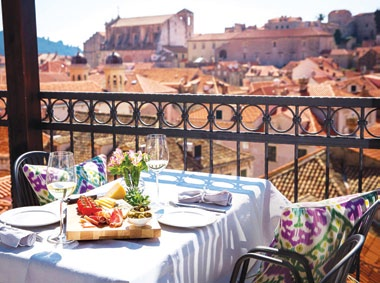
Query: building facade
[[264, 47], [140, 39]]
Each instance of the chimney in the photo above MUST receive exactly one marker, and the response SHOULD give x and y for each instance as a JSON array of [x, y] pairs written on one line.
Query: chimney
[[303, 86], [197, 152]]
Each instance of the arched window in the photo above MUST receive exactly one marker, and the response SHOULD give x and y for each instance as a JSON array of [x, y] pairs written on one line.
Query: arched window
[[223, 54]]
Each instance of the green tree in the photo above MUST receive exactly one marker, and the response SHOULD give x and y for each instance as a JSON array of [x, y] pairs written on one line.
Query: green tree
[[338, 36], [377, 21], [321, 17]]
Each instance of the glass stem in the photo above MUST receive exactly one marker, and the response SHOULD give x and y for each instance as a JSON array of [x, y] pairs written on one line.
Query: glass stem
[[60, 219], [158, 189]]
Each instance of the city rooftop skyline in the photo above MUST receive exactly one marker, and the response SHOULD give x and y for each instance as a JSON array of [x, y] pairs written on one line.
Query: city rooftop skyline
[[74, 22]]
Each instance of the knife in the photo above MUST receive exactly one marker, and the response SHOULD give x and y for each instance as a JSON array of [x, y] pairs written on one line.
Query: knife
[[213, 209]]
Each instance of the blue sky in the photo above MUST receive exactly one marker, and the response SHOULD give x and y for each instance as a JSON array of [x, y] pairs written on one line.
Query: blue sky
[[74, 21]]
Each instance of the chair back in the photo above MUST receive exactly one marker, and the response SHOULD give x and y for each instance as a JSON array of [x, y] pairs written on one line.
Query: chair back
[[340, 263], [22, 193]]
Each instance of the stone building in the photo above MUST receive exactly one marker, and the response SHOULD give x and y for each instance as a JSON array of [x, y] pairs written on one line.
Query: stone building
[[140, 39], [114, 72], [92, 48], [79, 68], [264, 47], [362, 26], [285, 22]]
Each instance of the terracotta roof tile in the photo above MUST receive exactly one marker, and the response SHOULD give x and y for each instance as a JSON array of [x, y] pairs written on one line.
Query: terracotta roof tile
[[152, 86], [80, 86], [46, 77], [311, 179], [5, 193], [370, 258]]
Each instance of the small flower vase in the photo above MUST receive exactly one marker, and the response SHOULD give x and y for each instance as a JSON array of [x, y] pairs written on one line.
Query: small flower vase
[[129, 183]]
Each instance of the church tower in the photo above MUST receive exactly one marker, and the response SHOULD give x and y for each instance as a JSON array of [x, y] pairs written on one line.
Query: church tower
[[114, 72], [79, 68]]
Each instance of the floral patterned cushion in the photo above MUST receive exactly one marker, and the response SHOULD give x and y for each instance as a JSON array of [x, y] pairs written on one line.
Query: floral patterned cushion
[[316, 230], [90, 174]]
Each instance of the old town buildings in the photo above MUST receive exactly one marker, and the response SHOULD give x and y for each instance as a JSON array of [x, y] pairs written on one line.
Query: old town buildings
[[169, 40]]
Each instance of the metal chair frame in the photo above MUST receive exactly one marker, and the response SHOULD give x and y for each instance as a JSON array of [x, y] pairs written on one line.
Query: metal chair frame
[[337, 267]]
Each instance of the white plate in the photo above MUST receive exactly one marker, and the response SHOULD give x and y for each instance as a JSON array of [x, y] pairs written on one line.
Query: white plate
[[29, 216], [187, 218]]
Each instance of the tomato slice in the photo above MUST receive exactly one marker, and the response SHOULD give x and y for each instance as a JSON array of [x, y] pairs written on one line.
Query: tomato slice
[[87, 206]]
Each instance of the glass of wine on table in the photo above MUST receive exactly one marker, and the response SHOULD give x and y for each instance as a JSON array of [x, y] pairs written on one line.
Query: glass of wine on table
[[158, 153], [61, 182]]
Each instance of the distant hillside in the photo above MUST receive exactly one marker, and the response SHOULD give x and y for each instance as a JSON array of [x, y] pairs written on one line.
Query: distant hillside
[[47, 46]]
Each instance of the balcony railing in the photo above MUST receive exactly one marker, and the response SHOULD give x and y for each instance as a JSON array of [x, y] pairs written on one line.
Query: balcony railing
[[186, 116], [217, 118]]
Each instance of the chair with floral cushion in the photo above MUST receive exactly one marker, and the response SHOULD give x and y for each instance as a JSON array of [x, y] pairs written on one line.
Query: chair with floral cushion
[[308, 235], [23, 194], [30, 173], [336, 269]]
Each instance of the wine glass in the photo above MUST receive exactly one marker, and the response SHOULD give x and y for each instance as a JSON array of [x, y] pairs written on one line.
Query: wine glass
[[158, 152], [61, 182]]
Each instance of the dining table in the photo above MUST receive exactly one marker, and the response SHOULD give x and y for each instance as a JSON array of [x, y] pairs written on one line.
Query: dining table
[[203, 254]]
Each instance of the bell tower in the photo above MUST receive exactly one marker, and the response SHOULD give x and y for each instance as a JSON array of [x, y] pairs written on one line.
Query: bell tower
[[114, 72], [79, 68]]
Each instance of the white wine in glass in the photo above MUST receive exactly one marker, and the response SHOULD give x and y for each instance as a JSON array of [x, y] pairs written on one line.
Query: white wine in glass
[[61, 182], [158, 152]]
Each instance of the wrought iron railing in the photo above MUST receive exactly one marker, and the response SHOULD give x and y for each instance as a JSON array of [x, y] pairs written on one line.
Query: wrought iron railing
[[188, 116]]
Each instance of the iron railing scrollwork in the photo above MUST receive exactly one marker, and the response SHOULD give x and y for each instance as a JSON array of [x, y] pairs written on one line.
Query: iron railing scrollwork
[[238, 118]]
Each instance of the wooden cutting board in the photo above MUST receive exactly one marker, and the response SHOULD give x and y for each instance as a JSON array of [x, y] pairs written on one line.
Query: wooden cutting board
[[75, 231]]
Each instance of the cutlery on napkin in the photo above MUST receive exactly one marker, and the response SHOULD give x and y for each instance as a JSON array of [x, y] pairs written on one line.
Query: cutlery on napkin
[[222, 198], [15, 237], [199, 206]]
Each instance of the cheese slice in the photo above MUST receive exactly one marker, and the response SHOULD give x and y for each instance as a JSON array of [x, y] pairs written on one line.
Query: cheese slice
[[116, 191]]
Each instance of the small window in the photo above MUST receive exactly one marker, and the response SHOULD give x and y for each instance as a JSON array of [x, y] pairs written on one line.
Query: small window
[[274, 44], [302, 152], [219, 114], [194, 46], [243, 173], [203, 45], [272, 152]]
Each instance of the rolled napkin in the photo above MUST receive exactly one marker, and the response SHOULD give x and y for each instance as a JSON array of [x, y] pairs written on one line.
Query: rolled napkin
[[15, 237], [223, 198]]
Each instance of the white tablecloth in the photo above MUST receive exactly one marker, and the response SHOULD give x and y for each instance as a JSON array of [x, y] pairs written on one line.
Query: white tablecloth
[[180, 255]]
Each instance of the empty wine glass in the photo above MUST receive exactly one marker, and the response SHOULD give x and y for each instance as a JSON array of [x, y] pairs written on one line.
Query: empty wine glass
[[158, 152], [61, 182]]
